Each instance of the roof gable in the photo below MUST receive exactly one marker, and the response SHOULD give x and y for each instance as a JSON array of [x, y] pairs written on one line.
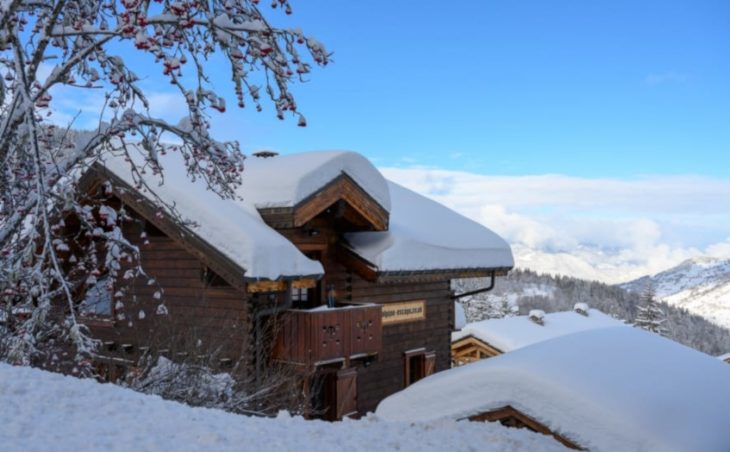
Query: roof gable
[[350, 202], [289, 180]]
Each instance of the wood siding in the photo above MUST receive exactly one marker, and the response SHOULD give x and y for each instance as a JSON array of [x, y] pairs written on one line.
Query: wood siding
[[308, 337], [199, 320], [202, 318], [385, 375]]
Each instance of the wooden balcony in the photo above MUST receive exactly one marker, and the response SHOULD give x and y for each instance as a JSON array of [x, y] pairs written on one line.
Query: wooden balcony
[[310, 337]]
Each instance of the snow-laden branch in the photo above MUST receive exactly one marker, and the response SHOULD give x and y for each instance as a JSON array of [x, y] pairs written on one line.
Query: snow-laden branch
[[45, 263]]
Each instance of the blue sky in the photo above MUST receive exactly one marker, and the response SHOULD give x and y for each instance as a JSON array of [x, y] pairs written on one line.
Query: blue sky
[[601, 88], [590, 89]]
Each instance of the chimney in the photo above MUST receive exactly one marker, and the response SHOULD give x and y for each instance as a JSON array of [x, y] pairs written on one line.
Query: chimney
[[265, 154], [581, 308], [537, 316]]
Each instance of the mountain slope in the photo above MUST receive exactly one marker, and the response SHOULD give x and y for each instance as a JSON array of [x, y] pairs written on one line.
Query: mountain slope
[[700, 285]]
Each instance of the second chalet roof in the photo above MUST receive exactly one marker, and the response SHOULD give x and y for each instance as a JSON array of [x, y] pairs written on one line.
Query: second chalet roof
[[510, 333], [422, 235], [607, 389]]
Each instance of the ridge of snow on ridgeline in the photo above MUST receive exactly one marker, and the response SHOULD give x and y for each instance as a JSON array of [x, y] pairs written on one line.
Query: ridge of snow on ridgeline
[[234, 227], [287, 180], [426, 235], [46, 411], [700, 285], [609, 389]]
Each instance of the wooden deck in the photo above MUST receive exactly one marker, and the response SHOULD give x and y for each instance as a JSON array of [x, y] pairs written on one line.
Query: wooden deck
[[317, 336]]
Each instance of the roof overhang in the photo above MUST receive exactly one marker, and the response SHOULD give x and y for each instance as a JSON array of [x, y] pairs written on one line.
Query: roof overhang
[[370, 272]]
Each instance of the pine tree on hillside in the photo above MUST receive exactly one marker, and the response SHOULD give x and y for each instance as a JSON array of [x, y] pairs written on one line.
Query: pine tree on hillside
[[649, 315]]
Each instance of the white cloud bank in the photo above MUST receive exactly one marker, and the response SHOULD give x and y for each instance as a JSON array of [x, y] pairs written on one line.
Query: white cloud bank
[[612, 230]]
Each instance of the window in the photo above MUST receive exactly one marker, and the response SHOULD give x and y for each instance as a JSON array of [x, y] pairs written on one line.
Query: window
[[152, 230], [299, 295], [211, 278], [97, 301], [418, 364]]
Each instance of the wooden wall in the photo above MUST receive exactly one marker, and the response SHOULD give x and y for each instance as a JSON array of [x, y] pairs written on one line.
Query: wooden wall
[[385, 376], [210, 322], [220, 317]]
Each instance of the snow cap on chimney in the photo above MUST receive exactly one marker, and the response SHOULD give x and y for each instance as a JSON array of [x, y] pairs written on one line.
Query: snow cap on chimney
[[581, 308], [264, 154], [537, 316]]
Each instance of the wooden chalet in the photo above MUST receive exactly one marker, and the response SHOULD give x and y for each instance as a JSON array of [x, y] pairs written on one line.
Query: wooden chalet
[[493, 337], [353, 269]]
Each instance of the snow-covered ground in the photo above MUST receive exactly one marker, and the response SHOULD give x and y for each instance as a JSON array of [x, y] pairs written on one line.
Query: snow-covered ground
[[42, 411]]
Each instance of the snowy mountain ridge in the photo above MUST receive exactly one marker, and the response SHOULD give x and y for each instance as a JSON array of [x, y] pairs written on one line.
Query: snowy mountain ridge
[[701, 285]]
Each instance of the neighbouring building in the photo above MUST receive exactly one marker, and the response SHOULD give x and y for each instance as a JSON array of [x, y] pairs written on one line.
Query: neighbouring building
[[492, 337], [353, 270], [613, 388]]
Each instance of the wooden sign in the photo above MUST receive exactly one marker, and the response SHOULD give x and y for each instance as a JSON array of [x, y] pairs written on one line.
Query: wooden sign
[[407, 311]]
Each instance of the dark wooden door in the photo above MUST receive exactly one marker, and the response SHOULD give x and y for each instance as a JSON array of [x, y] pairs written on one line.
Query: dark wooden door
[[346, 392]]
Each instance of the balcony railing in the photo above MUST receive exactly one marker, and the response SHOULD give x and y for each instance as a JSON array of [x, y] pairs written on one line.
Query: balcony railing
[[324, 334]]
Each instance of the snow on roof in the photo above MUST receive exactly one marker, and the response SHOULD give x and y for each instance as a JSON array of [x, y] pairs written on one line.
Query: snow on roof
[[98, 416], [511, 333], [724, 357], [233, 227], [286, 180], [425, 235], [607, 389]]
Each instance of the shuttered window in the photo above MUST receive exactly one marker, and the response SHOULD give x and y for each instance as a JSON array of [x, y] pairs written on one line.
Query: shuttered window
[[418, 364]]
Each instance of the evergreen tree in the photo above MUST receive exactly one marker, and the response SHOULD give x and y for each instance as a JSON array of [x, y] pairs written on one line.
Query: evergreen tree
[[649, 315]]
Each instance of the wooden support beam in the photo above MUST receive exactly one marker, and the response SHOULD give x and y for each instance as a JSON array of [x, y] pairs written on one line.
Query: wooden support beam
[[279, 285], [510, 416]]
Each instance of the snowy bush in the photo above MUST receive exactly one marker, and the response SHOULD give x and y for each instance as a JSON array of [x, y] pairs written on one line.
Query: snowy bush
[[198, 384]]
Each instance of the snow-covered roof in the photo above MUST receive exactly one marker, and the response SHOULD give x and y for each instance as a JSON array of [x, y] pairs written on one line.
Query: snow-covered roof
[[724, 357], [425, 235], [233, 227], [511, 333], [286, 180], [606, 389]]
